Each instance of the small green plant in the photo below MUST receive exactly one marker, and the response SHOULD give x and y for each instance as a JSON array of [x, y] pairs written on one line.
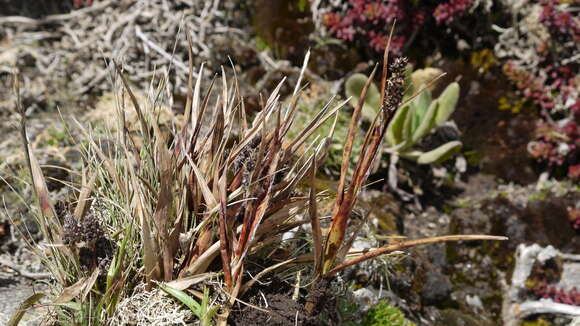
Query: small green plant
[[204, 311], [421, 116], [384, 314], [417, 117]]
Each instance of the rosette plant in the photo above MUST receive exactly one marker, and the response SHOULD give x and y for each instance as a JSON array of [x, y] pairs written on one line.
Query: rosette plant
[[418, 117]]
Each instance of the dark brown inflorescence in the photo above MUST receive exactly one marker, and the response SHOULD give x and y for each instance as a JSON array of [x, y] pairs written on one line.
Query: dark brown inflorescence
[[92, 230], [72, 230], [395, 88], [247, 159], [75, 231], [97, 250]]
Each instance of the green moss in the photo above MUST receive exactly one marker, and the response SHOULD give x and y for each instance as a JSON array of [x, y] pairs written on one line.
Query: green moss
[[261, 44], [473, 157], [454, 317], [302, 5], [460, 203], [537, 196], [537, 322], [384, 314]]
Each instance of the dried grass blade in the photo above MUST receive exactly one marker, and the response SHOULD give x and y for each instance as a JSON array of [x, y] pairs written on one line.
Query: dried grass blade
[[224, 93], [238, 96], [247, 238], [422, 89], [409, 244], [203, 185], [343, 204], [84, 203], [263, 273], [307, 133], [304, 65], [350, 139], [315, 222], [289, 116], [38, 179], [23, 307], [189, 100], [144, 128], [89, 284], [225, 241], [303, 135], [280, 212], [385, 65], [322, 150], [343, 251], [293, 182], [257, 127], [195, 109], [201, 264], [273, 98], [164, 201], [104, 159], [217, 132], [202, 109], [368, 154], [150, 252], [41, 189], [74, 290], [186, 282], [150, 256]]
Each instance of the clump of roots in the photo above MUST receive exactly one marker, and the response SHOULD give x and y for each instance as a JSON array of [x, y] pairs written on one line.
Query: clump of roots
[[153, 307]]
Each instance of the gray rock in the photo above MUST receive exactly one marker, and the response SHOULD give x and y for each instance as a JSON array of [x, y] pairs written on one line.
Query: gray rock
[[436, 288]]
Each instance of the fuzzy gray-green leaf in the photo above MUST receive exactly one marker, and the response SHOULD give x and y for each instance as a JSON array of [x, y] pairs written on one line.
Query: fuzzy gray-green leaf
[[395, 129], [427, 123], [440, 153], [407, 133], [353, 88], [447, 103], [422, 103], [411, 155]]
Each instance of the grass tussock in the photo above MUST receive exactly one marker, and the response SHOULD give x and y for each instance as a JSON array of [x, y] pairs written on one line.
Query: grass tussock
[[176, 209]]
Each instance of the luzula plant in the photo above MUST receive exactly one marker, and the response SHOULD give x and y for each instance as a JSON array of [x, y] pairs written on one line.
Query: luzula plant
[[335, 253], [417, 118], [198, 206]]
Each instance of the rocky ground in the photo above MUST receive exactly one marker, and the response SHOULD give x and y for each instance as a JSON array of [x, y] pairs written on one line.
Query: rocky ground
[[468, 283]]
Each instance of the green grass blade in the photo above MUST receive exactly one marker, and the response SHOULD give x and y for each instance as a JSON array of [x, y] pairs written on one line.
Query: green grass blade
[[193, 305], [29, 302]]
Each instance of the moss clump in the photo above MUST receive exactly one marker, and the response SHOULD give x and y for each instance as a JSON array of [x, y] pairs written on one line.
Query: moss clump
[[537, 322], [384, 314]]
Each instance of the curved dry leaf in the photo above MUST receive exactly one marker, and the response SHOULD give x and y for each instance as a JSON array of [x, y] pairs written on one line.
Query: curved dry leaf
[[83, 286]]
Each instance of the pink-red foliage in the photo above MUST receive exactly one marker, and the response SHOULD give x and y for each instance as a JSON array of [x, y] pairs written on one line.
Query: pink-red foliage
[[368, 20], [544, 291], [574, 213], [558, 147], [82, 3]]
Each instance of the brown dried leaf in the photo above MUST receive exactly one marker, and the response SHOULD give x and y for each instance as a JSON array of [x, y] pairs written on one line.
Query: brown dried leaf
[[84, 203], [409, 244], [186, 282], [73, 291]]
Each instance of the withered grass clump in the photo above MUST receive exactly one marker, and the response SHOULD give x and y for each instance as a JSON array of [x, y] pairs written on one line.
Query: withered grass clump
[[194, 204]]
